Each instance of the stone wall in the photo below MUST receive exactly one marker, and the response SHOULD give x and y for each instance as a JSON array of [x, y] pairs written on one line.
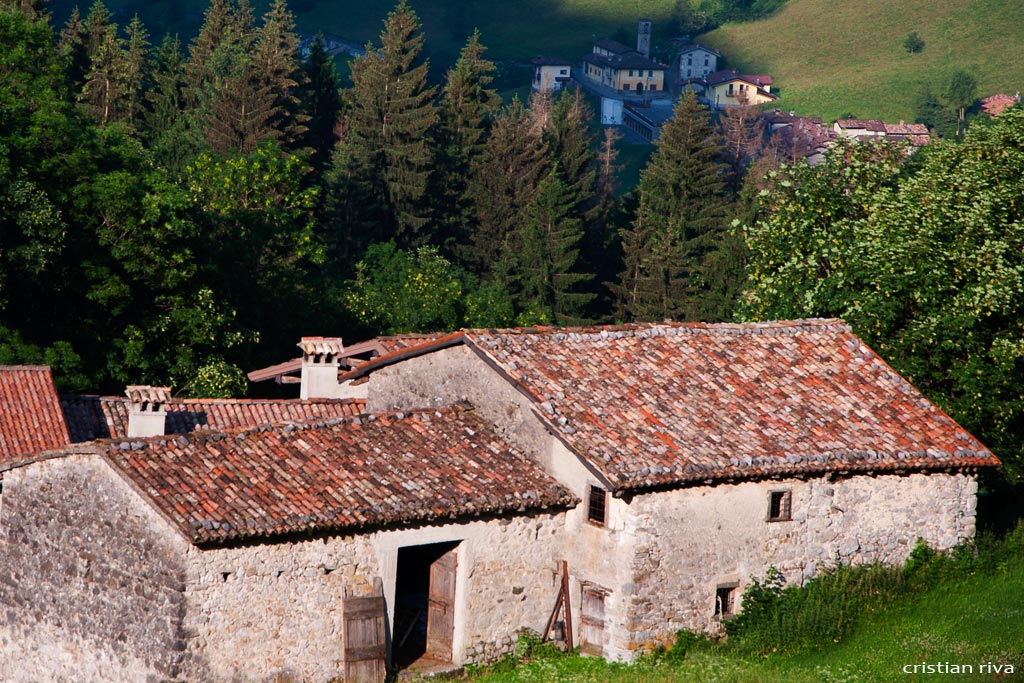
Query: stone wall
[[690, 541], [91, 578], [261, 611]]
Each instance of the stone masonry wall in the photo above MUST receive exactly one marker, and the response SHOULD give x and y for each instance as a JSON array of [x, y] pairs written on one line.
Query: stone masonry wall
[[269, 610], [690, 541], [91, 578]]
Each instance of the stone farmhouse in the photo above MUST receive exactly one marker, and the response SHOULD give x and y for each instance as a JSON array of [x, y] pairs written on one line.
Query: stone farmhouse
[[667, 465]]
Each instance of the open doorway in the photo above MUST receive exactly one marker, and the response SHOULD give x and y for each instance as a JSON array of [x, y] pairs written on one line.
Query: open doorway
[[424, 606]]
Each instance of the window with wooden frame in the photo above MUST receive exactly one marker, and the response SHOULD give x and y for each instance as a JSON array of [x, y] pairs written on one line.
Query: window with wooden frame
[[725, 600], [597, 505], [780, 506]]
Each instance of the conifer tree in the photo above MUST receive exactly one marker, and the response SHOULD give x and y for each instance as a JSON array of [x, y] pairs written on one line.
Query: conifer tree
[[165, 123], [680, 216], [135, 74], [104, 84], [502, 185], [322, 99], [547, 277], [466, 107], [277, 62], [390, 113], [73, 49]]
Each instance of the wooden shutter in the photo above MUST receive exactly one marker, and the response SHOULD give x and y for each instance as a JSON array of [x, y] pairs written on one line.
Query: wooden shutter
[[441, 608], [363, 635]]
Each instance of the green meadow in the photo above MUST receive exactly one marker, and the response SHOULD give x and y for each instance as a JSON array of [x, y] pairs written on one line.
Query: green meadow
[[831, 59]]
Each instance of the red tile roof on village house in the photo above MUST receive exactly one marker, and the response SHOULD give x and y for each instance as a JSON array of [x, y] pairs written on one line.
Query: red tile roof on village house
[[994, 105], [663, 404], [30, 415], [101, 417], [351, 473], [726, 75]]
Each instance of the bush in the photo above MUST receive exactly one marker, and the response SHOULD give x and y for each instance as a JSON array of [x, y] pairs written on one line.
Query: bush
[[914, 43]]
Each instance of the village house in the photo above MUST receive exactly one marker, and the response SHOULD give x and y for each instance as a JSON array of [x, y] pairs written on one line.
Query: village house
[[622, 69], [642, 456], [697, 61], [729, 88], [550, 74]]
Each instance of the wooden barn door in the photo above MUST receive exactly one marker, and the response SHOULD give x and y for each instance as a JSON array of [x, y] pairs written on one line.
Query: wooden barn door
[[363, 637], [441, 606], [592, 622]]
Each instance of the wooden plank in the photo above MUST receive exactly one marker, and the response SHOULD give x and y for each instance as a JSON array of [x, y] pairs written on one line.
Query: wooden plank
[[441, 606], [363, 644], [568, 606]]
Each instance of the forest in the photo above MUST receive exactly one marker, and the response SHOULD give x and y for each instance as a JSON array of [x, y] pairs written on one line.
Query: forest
[[177, 214]]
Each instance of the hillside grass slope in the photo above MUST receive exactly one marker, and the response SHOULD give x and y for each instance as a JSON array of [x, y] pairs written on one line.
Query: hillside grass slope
[[831, 59]]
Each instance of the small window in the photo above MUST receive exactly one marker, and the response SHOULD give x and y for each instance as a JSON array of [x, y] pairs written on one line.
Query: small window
[[630, 72], [654, 87], [725, 600], [625, 86], [597, 506], [780, 506], [650, 73]]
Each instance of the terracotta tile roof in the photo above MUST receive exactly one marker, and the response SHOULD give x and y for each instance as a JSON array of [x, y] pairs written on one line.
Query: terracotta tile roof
[[872, 125], [661, 404], [340, 474], [30, 415], [994, 105], [726, 75], [101, 417]]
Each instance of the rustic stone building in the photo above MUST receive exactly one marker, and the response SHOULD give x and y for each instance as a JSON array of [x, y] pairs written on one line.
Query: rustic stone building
[[704, 454], [228, 557], [668, 464]]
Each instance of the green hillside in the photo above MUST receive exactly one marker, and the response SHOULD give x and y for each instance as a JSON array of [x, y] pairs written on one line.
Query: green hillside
[[832, 58]]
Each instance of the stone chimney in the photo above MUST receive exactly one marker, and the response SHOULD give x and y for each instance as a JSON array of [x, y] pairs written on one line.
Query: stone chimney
[[147, 410], [643, 37], [321, 357]]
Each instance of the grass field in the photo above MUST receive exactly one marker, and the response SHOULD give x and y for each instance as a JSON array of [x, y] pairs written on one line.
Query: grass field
[[834, 58], [971, 618]]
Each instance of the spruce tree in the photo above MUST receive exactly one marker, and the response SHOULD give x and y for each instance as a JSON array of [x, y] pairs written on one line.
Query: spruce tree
[[135, 74], [104, 84], [321, 96], [73, 49], [390, 110], [165, 123], [502, 185], [277, 63], [548, 277], [466, 107], [679, 218]]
